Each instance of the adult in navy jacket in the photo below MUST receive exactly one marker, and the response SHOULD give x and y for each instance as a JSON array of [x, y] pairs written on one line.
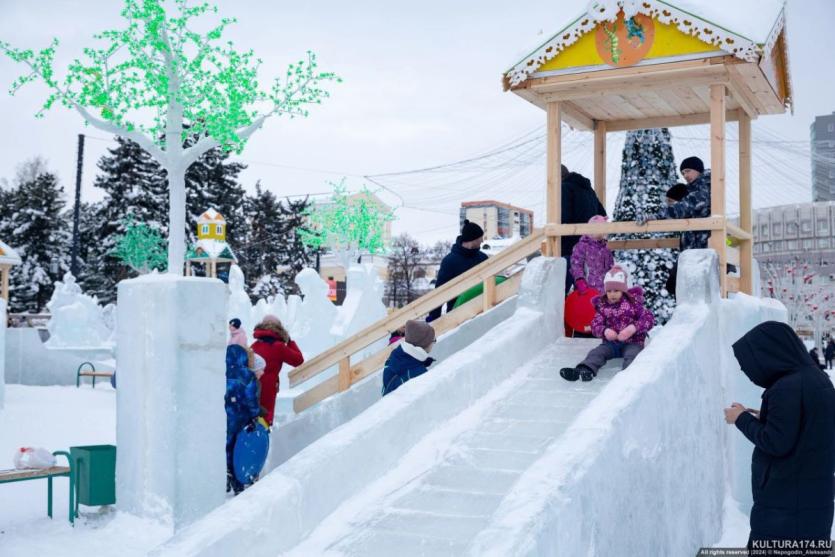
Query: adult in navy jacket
[[793, 434], [465, 254]]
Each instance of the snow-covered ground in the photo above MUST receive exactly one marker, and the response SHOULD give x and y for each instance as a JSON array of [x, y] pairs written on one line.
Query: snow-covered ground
[[56, 418]]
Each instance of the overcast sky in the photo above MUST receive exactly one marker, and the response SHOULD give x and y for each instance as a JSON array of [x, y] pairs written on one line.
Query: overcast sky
[[422, 86]]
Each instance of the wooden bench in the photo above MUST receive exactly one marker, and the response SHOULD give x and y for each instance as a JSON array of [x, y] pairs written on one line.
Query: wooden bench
[[80, 372], [9, 476]]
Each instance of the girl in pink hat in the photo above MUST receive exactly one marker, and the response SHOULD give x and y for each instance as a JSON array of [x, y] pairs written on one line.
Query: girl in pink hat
[[621, 320], [590, 259]]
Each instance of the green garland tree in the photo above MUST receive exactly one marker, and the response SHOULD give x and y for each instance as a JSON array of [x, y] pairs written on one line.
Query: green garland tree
[[347, 225], [190, 83], [141, 248]]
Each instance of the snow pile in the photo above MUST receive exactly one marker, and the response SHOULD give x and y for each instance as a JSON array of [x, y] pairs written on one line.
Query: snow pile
[[171, 423], [290, 501], [642, 470], [77, 320], [315, 315]]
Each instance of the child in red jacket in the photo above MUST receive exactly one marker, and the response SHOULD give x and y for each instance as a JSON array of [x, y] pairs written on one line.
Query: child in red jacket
[[272, 342]]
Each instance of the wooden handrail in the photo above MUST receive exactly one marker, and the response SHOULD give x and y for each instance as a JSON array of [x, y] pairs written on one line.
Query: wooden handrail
[[374, 363], [647, 243], [630, 227], [736, 232], [418, 308]]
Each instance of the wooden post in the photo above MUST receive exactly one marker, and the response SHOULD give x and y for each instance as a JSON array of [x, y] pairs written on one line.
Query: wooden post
[[4, 276], [717, 186], [746, 248], [489, 297], [344, 374], [188, 268], [554, 161], [600, 161]]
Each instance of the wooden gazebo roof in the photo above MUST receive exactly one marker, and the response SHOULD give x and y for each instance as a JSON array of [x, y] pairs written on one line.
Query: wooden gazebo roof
[[651, 63]]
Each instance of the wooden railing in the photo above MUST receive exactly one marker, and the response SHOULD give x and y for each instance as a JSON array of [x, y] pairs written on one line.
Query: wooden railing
[[341, 353], [493, 294]]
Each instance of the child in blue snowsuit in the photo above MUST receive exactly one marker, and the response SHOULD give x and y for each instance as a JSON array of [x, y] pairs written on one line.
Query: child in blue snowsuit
[[242, 404]]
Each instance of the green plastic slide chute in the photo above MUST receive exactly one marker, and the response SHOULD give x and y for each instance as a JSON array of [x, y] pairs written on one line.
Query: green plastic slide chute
[[474, 292]]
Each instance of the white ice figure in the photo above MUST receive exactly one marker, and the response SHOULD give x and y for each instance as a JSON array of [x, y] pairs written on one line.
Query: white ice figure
[[294, 302], [315, 316], [363, 305], [260, 309], [278, 307], [77, 319], [239, 304], [108, 314]]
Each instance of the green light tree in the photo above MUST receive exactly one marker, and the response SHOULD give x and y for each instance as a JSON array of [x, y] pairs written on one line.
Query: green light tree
[[157, 81], [347, 225], [141, 248]]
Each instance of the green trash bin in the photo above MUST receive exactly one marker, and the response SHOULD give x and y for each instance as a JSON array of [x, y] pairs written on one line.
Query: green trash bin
[[94, 467]]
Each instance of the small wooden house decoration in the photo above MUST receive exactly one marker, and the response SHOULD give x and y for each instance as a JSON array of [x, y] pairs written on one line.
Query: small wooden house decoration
[[211, 247], [633, 64], [8, 258]]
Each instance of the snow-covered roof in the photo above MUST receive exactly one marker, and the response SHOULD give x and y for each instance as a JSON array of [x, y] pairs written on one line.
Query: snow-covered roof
[[743, 28], [211, 249], [211, 216], [8, 256]]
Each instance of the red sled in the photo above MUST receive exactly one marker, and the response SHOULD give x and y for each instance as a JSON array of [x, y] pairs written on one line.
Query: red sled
[[579, 311]]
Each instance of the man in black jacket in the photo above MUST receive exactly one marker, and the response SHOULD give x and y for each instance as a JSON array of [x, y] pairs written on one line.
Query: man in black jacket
[[579, 203], [793, 434], [465, 254]]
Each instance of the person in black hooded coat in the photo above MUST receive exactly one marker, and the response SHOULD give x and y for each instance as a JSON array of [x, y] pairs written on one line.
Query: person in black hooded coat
[[793, 433]]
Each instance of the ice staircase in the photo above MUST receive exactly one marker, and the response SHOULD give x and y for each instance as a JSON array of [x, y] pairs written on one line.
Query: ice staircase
[[444, 491]]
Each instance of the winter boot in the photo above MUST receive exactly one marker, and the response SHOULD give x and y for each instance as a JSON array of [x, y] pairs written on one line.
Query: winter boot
[[569, 373], [586, 373]]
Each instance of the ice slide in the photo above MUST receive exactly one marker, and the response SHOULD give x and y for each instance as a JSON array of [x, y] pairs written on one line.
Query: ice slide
[[492, 453]]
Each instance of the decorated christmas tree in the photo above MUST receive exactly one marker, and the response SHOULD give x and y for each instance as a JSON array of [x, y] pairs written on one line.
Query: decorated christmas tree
[[648, 170]]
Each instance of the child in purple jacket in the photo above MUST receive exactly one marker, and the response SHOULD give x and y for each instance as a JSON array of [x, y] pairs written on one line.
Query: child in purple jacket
[[621, 321], [590, 259]]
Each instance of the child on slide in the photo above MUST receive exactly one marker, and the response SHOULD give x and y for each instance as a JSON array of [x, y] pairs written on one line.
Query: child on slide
[[590, 259], [621, 320]]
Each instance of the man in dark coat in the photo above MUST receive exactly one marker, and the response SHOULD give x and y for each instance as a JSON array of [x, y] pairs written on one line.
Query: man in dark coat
[[465, 254], [829, 353], [793, 435], [693, 204], [578, 203]]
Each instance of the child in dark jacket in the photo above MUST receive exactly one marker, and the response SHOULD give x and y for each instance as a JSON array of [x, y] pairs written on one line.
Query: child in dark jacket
[[590, 259], [621, 320], [241, 402], [411, 358]]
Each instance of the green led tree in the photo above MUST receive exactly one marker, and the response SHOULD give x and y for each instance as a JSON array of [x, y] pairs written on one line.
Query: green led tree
[[347, 225], [141, 248], [156, 81]]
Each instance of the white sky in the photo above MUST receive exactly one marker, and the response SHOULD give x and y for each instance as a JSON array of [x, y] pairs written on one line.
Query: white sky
[[422, 86]]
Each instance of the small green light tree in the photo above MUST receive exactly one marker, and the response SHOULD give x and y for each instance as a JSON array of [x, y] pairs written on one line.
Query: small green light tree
[[141, 248], [156, 81], [347, 225]]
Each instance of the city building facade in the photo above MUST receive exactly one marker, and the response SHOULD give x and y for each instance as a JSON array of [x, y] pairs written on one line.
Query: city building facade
[[822, 132], [499, 220]]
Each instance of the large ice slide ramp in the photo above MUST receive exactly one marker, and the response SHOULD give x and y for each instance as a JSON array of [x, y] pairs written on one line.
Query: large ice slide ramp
[[493, 453]]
